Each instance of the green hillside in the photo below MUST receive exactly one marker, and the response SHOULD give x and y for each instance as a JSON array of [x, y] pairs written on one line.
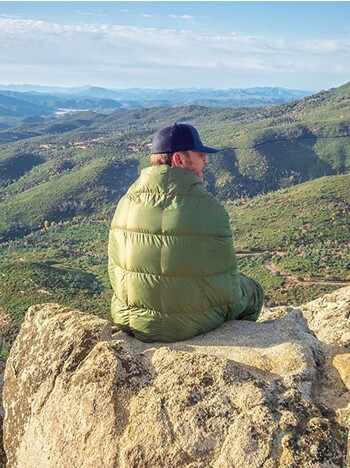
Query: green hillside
[[302, 230], [267, 148], [85, 190], [318, 210]]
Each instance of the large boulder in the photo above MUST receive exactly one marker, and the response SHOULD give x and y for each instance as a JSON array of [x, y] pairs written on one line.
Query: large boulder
[[268, 394]]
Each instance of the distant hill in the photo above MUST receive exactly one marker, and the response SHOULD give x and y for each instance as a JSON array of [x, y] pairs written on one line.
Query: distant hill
[[30, 103], [54, 99], [234, 97], [174, 94], [11, 105]]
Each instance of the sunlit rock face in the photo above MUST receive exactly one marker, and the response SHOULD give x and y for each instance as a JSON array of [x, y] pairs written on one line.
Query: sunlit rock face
[[267, 394]]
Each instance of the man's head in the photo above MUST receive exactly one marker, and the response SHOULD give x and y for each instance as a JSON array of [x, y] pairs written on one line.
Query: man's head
[[179, 145]]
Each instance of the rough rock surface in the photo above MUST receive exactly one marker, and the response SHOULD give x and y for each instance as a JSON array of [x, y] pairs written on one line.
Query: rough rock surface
[[2, 453], [328, 317], [4, 325], [268, 394]]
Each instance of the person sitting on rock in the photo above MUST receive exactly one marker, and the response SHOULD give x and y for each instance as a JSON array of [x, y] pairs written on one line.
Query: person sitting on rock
[[172, 264]]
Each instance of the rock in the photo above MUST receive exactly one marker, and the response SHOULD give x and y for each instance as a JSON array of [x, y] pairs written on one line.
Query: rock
[[329, 317], [342, 363], [268, 394], [4, 325], [2, 453]]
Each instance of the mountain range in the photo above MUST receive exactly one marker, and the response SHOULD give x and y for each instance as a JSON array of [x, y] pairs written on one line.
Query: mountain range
[[23, 101], [92, 157]]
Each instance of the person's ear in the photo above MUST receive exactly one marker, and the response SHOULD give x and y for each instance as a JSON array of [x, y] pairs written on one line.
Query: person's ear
[[177, 161]]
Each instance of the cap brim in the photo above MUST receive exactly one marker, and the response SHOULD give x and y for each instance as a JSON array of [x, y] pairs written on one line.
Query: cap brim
[[207, 149]]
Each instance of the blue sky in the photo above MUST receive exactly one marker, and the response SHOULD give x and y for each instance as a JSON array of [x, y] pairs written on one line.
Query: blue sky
[[303, 45]]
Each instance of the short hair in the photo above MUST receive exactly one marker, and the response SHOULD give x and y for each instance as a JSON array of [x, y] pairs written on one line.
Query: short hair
[[160, 159]]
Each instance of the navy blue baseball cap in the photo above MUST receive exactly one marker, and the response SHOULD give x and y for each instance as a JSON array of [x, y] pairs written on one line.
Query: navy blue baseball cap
[[179, 137]]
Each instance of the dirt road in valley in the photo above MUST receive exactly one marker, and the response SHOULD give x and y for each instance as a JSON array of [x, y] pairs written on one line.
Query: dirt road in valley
[[283, 274], [288, 276]]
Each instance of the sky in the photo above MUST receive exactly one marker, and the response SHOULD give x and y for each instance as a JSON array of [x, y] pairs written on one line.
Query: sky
[[298, 45]]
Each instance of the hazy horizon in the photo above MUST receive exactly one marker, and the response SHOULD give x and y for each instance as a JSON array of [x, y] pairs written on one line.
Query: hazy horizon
[[85, 85]]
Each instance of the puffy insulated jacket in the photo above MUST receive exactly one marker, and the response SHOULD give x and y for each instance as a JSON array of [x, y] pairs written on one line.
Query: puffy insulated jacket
[[172, 264]]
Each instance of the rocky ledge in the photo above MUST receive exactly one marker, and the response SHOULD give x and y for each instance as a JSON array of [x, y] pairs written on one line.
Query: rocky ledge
[[268, 394]]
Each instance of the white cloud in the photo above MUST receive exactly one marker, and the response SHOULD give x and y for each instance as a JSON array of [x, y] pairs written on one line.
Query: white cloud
[[126, 53], [86, 13], [145, 15], [323, 46], [184, 17]]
